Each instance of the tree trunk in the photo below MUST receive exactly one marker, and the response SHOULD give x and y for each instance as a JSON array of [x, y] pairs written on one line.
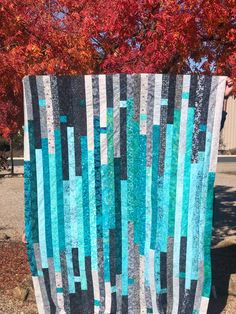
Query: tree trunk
[[11, 150]]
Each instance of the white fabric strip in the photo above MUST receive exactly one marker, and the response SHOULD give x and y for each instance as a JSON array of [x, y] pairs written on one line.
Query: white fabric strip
[[142, 287], [103, 101], [96, 290], [143, 103], [152, 281], [38, 295], [26, 130], [49, 108], [107, 297], [116, 115], [217, 120], [89, 111], [157, 99]]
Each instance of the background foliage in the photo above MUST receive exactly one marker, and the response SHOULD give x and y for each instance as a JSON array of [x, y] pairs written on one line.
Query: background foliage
[[97, 36]]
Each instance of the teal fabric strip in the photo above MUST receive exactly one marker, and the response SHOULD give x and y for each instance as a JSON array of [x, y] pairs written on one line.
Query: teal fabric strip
[[85, 191], [124, 222], [72, 180], [42, 102], [27, 216], [207, 235], [136, 180], [130, 281], [143, 116], [59, 290], [77, 279], [164, 102], [123, 104], [68, 251], [103, 130], [148, 223], [40, 273], [166, 190], [202, 127], [105, 220], [54, 213], [96, 302], [118, 215], [63, 119], [155, 156], [203, 209], [113, 289], [141, 217], [159, 233], [80, 232], [191, 209], [174, 164], [92, 209], [203, 204], [185, 95]]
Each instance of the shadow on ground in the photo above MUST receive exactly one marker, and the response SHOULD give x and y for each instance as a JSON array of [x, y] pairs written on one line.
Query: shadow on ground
[[224, 217], [223, 253]]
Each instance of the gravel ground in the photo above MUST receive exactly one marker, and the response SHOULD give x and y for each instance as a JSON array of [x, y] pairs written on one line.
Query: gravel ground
[[13, 261], [16, 289], [9, 305]]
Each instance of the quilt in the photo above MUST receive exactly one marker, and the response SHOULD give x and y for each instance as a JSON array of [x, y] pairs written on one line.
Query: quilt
[[119, 173]]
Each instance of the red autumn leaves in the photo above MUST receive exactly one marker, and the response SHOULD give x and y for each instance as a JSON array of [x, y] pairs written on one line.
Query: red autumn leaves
[[97, 36]]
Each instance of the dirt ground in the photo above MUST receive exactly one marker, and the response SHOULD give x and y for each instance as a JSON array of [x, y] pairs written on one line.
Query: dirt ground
[[16, 292]]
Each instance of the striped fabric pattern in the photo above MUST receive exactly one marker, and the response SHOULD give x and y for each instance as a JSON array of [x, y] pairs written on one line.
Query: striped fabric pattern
[[119, 176]]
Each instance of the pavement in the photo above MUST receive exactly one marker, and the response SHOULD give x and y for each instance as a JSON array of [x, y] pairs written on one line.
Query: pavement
[[223, 253]]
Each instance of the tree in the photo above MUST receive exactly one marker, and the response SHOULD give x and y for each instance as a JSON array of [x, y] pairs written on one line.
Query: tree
[[34, 39], [166, 36], [97, 36]]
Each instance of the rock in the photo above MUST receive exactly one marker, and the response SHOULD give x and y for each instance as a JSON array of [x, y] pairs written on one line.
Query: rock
[[20, 293], [4, 236], [25, 292], [232, 285], [28, 284], [228, 241]]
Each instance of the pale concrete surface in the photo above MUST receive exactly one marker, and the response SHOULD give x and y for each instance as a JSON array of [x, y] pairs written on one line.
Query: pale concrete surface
[[11, 207]]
